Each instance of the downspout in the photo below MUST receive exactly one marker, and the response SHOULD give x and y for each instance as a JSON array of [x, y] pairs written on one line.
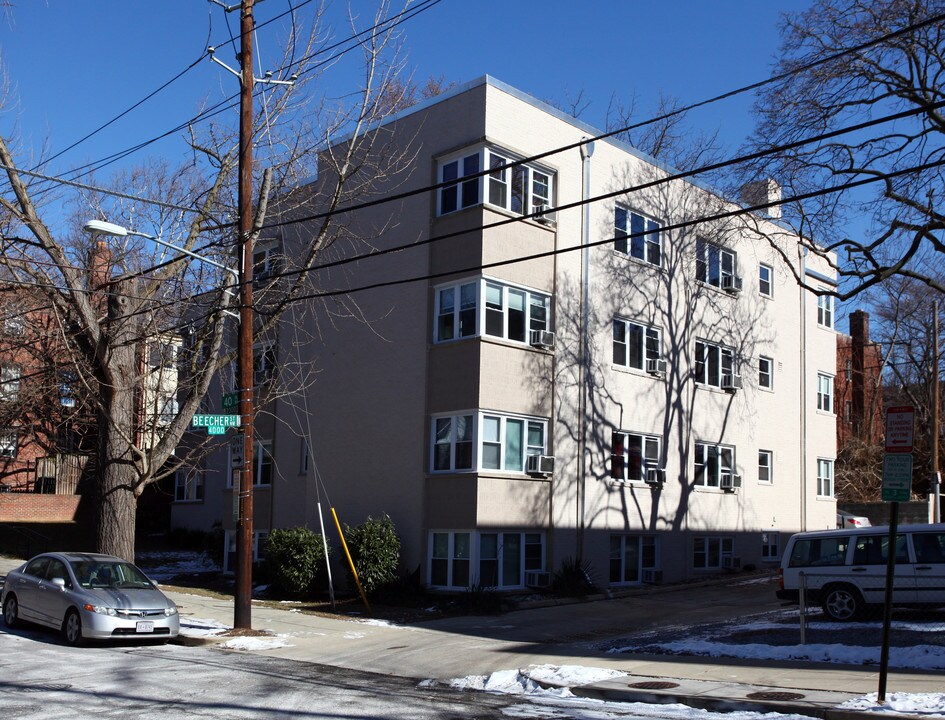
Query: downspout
[[587, 150], [802, 258]]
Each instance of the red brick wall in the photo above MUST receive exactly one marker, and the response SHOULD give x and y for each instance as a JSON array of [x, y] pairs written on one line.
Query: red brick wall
[[31, 507]]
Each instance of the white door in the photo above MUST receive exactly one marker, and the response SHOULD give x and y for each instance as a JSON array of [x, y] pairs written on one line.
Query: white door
[[929, 550]]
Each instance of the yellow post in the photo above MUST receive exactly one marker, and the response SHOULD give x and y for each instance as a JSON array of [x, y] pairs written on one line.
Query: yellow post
[[354, 570]]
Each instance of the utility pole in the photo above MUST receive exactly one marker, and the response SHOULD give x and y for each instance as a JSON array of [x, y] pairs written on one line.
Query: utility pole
[[936, 477], [242, 606]]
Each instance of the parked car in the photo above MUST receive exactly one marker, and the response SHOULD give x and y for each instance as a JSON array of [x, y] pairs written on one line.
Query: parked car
[[845, 570], [87, 596], [845, 519]]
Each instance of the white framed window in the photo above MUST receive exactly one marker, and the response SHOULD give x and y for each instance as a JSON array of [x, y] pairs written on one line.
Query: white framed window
[[264, 363], [267, 260], [713, 363], [770, 545], [766, 280], [9, 443], [461, 559], [708, 552], [262, 464], [825, 392], [229, 548], [638, 236], [499, 309], [634, 344], [486, 441], [167, 406], [712, 461], [189, 484], [521, 190], [630, 555], [825, 311], [766, 373], [765, 467], [450, 558], [714, 263], [632, 454], [10, 383], [68, 382], [824, 478], [13, 325]]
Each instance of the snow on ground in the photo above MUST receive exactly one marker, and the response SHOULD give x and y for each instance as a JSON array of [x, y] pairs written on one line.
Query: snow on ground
[[930, 704], [201, 627], [162, 566], [252, 644]]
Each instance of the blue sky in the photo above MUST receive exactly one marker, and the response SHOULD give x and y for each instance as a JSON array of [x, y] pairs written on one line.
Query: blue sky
[[74, 64]]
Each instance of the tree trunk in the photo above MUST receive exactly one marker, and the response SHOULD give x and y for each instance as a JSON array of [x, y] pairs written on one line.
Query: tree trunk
[[117, 474]]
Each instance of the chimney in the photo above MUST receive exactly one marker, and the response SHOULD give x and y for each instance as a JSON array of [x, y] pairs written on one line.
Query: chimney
[[100, 265], [860, 338], [759, 192]]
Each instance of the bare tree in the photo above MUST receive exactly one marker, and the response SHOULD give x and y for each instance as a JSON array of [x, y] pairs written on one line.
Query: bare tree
[[145, 328], [897, 217]]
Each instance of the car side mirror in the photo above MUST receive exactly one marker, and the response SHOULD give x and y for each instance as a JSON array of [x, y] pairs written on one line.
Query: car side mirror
[[59, 583]]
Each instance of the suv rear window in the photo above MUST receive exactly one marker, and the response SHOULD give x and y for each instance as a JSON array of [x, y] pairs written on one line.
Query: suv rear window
[[819, 551]]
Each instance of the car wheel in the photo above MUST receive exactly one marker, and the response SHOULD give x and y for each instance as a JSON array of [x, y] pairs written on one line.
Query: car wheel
[[11, 612], [72, 628], [842, 603]]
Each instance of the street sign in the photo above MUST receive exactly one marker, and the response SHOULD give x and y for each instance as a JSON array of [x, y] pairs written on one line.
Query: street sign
[[897, 477], [230, 403], [237, 445], [900, 422], [214, 421], [216, 430]]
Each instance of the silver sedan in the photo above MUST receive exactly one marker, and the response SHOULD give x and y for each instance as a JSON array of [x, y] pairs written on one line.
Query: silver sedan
[[88, 596]]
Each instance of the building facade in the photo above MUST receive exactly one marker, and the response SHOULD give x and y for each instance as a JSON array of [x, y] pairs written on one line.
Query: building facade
[[581, 358], [860, 408]]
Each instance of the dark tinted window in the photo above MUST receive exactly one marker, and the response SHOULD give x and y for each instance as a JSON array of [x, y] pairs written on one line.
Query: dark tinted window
[[873, 550], [37, 567], [819, 552], [929, 547]]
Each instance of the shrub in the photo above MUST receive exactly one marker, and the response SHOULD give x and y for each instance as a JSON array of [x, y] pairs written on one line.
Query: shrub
[[574, 579], [375, 550], [295, 557]]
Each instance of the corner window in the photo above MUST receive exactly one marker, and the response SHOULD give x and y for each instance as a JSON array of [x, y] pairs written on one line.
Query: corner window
[[461, 559], [637, 236], [766, 373], [765, 466], [825, 478], [765, 280], [634, 344], [456, 312], [714, 363], [713, 463], [459, 193], [824, 393], [715, 265], [10, 383], [825, 311], [453, 443], [486, 441], [500, 310], [632, 454]]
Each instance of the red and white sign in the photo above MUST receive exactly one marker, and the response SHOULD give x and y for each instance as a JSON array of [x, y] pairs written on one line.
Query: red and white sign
[[900, 424]]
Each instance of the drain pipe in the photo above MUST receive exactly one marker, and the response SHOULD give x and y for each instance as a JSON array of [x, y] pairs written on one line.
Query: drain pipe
[[587, 150], [802, 260]]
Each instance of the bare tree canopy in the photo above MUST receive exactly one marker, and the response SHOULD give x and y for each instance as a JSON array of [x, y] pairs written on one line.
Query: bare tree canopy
[[891, 226]]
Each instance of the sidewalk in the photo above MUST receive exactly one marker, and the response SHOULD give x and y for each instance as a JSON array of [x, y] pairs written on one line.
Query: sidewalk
[[559, 635]]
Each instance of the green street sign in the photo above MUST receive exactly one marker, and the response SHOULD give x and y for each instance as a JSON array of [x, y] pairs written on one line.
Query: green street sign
[[216, 430], [231, 402], [897, 477], [211, 422]]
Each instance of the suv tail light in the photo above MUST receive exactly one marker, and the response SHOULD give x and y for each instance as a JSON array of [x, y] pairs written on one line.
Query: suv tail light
[[780, 578]]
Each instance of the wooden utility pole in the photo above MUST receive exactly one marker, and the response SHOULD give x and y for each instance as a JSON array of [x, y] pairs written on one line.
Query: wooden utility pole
[[242, 607], [936, 478]]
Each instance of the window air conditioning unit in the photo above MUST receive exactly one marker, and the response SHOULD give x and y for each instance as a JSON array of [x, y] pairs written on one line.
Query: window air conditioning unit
[[732, 382], [537, 579], [732, 283], [654, 476], [731, 562], [656, 367], [542, 339], [652, 577], [730, 482], [540, 464], [542, 213]]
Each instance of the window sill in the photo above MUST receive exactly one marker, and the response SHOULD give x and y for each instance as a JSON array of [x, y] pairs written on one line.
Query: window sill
[[637, 261], [637, 372], [712, 490], [189, 502], [824, 413]]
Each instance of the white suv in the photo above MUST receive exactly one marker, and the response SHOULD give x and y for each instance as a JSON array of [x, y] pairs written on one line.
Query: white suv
[[845, 570]]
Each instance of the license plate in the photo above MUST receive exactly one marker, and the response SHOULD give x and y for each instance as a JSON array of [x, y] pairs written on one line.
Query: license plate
[[144, 627]]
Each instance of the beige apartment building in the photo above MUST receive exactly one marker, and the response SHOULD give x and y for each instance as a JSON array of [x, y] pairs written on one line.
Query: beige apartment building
[[584, 358]]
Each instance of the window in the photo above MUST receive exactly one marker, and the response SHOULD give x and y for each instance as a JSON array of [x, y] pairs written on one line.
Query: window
[[630, 555], [507, 312], [765, 466], [770, 545], [68, 380], [262, 462], [264, 363], [8, 443], [825, 310], [634, 344], [522, 189], [266, 263], [632, 454], [168, 407], [229, 548], [713, 263], [848, 369], [637, 236], [163, 354], [766, 372], [188, 484], [824, 393], [765, 283], [825, 478], [10, 383], [495, 559], [874, 550], [712, 462], [713, 362], [707, 552], [486, 441], [13, 325]]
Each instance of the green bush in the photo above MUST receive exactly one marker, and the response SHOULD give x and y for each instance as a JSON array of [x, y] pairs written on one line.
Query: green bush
[[375, 550], [295, 558]]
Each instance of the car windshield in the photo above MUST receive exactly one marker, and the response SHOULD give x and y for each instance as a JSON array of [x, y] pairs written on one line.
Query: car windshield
[[108, 574]]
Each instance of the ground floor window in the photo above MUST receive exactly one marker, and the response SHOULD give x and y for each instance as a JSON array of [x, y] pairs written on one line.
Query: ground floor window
[[770, 545], [630, 555], [462, 559], [188, 485], [710, 552], [229, 547]]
